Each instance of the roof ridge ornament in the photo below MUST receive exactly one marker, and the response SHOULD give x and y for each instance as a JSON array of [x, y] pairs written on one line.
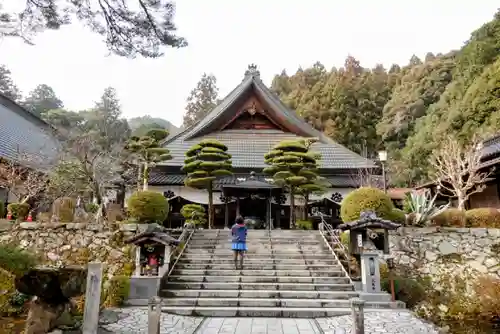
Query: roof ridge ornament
[[252, 71]]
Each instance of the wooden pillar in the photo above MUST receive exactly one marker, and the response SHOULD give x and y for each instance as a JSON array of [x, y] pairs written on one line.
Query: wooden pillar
[[237, 207], [278, 215], [268, 212], [226, 215]]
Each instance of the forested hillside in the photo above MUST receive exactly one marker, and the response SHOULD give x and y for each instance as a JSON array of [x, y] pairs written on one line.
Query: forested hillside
[[407, 109]]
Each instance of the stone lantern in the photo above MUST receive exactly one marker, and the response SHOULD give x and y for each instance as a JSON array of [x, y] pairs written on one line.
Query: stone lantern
[[367, 227]]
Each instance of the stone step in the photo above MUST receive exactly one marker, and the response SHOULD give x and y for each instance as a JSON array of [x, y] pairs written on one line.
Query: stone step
[[286, 312], [259, 266], [273, 242], [258, 286], [245, 293], [250, 253], [269, 302], [232, 272], [250, 260], [258, 257], [257, 279]]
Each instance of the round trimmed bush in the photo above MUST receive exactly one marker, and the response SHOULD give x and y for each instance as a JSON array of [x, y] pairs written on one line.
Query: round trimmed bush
[[148, 207], [483, 217], [365, 199], [450, 218], [19, 210], [398, 216], [194, 213]]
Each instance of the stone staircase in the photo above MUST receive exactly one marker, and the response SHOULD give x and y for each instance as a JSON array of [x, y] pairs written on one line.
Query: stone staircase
[[287, 273]]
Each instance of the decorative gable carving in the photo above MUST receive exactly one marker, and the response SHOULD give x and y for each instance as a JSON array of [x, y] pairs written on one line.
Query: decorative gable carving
[[252, 115]]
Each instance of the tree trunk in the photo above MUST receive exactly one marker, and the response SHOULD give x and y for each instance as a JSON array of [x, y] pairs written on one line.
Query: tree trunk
[[139, 177], [120, 196], [461, 201], [306, 207], [145, 177], [292, 208], [210, 206]]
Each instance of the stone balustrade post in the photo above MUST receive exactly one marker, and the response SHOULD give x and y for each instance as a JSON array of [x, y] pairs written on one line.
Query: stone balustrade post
[[358, 316], [154, 315]]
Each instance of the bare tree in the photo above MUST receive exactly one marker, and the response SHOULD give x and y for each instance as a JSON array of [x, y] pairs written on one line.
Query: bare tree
[[21, 179], [457, 169], [367, 176]]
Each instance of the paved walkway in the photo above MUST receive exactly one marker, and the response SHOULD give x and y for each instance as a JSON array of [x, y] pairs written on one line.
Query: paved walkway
[[134, 321]]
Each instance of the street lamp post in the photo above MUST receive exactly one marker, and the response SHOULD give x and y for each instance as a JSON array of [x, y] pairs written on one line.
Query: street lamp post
[[382, 157]]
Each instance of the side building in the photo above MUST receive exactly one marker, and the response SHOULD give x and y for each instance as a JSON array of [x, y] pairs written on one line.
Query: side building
[[250, 120], [25, 139]]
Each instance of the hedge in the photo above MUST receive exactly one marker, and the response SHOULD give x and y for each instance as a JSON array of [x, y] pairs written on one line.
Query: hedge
[[483, 217]]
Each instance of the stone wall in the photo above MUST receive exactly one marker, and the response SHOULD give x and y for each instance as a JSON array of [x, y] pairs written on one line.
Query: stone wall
[[434, 251], [75, 244]]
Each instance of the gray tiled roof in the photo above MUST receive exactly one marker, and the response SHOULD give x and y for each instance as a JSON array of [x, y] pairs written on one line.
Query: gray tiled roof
[[491, 147], [159, 178], [249, 146], [23, 134]]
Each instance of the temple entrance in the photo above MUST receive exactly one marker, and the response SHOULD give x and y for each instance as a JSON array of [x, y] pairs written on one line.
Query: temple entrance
[[253, 199], [254, 209]]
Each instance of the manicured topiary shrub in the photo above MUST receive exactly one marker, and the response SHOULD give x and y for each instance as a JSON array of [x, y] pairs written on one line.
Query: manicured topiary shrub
[[19, 210], [398, 216], [148, 207], [364, 199], [304, 225], [194, 213], [450, 218], [483, 217]]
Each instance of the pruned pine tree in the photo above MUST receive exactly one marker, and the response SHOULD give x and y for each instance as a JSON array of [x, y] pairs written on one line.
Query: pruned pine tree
[[204, 163], [315, 184], [293, 167], [149, 152]]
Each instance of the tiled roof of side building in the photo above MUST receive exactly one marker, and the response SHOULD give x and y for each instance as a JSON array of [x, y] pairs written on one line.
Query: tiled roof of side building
[[491, 146], [24, 134]]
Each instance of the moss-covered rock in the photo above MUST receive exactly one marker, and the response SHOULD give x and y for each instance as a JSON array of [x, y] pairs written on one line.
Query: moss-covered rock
[[366, 199]]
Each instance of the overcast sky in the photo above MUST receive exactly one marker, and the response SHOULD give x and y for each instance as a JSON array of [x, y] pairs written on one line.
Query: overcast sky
[[225, 36]]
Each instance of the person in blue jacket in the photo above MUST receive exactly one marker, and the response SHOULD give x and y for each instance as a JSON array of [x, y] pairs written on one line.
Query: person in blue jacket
[[239, 241]]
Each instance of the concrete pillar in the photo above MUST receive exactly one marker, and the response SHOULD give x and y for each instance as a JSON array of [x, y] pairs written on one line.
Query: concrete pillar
[[137, 261]]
